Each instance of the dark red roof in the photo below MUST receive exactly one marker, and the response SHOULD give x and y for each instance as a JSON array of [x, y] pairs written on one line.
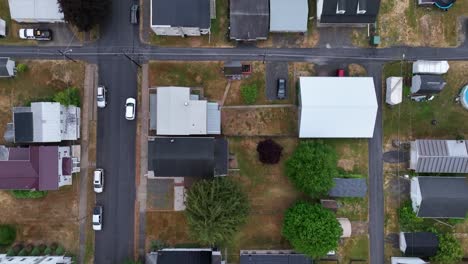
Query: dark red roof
[[35, 167]]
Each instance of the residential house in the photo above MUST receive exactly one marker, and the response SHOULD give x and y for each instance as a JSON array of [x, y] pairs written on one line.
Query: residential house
[[439, 156], [39, 168], [249, 20], [35, 11], [352, 187], [337, 107], [273, 256], [439, 197], [180, 17], [289, 16], [44, 122], [4, 259], [427, 84], [406, 260], [419, 244], [394, 94], [347, 12], [184, 255], [7, 67], [174, 111]]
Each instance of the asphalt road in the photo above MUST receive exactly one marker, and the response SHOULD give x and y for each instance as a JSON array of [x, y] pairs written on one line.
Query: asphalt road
[[116, 139]]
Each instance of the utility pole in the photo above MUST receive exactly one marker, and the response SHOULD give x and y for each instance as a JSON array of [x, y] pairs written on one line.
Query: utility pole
[[131, 59], [64, 53]]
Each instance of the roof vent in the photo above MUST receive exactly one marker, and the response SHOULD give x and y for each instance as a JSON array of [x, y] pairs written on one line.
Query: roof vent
[[341, 6], [186, 103], [361, 7]]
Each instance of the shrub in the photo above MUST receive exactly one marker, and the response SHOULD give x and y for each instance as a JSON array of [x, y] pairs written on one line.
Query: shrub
[[10, 252], [27, 194], [312, 167], [249, 93], [269, 152], [53, 246], [17, 248], [59, 251], [36, 251], [69, 96], [449, 251], [42, 247], [311, 229], [21, 67], [47, 251], [29, 248], [157, 245], [7, 235], [23, 252], [215, 210], [408, 220]]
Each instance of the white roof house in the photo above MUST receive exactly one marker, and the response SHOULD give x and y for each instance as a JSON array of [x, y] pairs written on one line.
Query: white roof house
[[407, 260], [394, 93], [288, 16], [35, 11], [179, 113], [2, 28], [35, 259], [337, 107]]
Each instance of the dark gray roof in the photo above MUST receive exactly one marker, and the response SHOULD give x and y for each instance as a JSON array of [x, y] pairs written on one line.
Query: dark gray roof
[[443, 197], [249, 19], [3, 67], [434, 156], [330, 16], [349, 188], [181, 13], [23, 123], [426, 84], [421, 244], [274, 259], [188, 156]]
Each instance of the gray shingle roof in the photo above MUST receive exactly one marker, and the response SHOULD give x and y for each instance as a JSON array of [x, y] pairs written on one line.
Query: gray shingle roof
[[249, 19], [6, 67], [421, 244], [181, 13], [443, 197], [348, 188], [274, 259], [441, 156]]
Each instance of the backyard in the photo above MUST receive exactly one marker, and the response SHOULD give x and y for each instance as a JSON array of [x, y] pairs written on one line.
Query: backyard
[[414, 120], [406, 23]]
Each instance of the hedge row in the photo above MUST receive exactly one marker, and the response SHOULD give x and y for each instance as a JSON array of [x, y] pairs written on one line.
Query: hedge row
[[38, 250]]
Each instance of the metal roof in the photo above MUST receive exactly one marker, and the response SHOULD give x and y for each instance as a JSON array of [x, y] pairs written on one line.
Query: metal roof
[[7, 67], [153, 110], [419, 244], [337, 107], [439, 156], [184, 255], [213, 119], [326, 12], [427, 84], [394, 94], [288, 16], [181, 13], [46, 122], [443, 197], [348, 188], [274, 258], [249, 20], [35, 10]]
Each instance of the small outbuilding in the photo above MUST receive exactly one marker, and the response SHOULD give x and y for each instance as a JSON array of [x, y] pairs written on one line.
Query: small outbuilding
[[394, 93], [7, 67], [2, 28], [353, 187], [419, 244], [249, 20], [346, 226], [427, 84], [288, 16], [439, 156], [430, 67]]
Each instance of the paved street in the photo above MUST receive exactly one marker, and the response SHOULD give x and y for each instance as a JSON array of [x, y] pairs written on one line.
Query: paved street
[[119, 43]]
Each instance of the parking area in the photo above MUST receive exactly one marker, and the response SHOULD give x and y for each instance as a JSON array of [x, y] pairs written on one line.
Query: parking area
[[160, 195], [62, 34], [274, 71]]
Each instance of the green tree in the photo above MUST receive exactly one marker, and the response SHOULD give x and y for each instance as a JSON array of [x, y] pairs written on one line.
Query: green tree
[[27, 194], [84, 14], [23, 252], [36, 251], [311, 229], [7, 235], [47, 251], [312, 167], [215, 210], [449, 251], [59, 251], [69, 96], [249, 93], [20, 68], [408, 220], [10, 252]]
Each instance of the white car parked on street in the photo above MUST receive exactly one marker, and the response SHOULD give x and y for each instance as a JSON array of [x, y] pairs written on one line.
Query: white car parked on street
[[98, 180], [130, 106], [97, 218], [101, 96]]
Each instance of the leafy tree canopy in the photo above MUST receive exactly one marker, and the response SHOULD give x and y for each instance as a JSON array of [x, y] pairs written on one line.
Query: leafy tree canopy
[[312, 167], [7, 235], [311, 229], [449, 251], [84, 14], [69, 96], [215, 210], [269, 152]]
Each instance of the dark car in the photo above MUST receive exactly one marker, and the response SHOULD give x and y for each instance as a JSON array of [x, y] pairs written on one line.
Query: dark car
[[281, 93], [134, 14]]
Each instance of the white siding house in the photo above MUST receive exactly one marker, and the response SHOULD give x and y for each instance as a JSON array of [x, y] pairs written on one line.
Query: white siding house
[[35, 11]]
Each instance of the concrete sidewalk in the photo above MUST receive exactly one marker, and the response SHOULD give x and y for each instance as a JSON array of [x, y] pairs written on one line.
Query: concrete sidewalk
[[88, 114]]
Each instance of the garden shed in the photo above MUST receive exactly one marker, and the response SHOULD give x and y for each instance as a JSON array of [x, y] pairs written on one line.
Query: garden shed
[[394, 93]]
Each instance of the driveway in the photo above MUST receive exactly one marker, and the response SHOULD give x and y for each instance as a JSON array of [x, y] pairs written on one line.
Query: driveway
[[274, 71], [62, 35]]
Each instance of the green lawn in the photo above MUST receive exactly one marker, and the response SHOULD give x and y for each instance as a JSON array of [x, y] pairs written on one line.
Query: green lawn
[[354, 248]]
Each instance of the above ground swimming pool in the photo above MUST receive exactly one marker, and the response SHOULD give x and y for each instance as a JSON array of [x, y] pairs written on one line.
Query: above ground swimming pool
[[464, 97]]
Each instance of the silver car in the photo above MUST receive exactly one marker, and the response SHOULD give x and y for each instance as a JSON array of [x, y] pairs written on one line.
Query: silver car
[[101, 96]]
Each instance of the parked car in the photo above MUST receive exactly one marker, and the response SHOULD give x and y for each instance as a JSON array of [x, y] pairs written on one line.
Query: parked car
[[101, 96], [134, 12], [340, 73], [98, 180], [130, 105], [97, 218], [281, 92], [36, 34]]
